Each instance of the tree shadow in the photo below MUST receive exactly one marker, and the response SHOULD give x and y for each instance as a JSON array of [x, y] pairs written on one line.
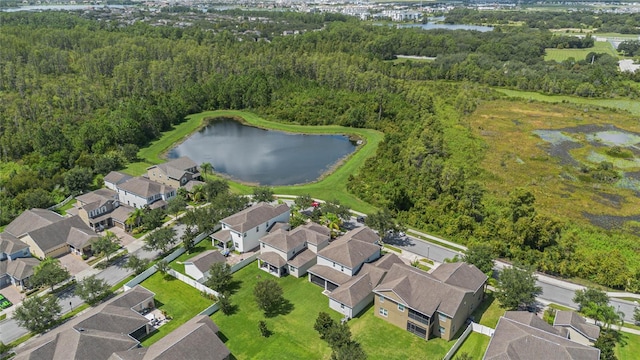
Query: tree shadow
[[285, 307], [222, 337], [483, 307], [396, 239], [234, 286]]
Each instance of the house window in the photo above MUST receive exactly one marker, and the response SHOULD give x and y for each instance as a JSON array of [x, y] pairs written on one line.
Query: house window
[[341, 268], [292, 268], [262, 245], [334, 264], [442, 330], [245, 235], [381, 298], [341, 306], [383, 312], [442, 318], [400, 307], [257, 228], [236, 245]]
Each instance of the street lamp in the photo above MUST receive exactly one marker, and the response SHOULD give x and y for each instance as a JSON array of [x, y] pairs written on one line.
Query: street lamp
[[428, 250], [70, 306]]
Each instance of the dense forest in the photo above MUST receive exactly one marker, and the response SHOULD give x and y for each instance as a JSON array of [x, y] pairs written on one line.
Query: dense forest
[[79, 97], [624, 23]]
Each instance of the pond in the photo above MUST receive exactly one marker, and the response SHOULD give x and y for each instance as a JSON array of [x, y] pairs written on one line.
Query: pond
[[253, 155]]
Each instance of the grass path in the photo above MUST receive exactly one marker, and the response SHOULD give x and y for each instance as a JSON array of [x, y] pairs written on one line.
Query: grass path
[[560, 55], [332, 186]]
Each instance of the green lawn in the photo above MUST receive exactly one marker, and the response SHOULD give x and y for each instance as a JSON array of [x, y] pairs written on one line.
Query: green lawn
[[202, 246], [629, 105], [629, 348], [475, 345], [179, 300], [333, 186], [489, 311], [293, 334], [560, 55]]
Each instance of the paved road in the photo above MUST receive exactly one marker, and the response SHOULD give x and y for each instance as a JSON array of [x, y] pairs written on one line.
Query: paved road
[[10, 330]]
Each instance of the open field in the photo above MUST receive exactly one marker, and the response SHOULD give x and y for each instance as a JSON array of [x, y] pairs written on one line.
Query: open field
[[179, 300], [332, 186], [517, 157], [293, 334], [629, 347], [629, 105], [560, 55], [475, 345]]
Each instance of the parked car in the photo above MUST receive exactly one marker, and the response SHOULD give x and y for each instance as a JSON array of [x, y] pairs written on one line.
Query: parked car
[[360, 219]]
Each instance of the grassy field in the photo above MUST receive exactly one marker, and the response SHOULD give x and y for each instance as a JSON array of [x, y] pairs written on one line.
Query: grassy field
[[293, 334], [332, 186], [475, 345], [179, 300], [629, 105], [629, 348], [489, 311], [560, 55]]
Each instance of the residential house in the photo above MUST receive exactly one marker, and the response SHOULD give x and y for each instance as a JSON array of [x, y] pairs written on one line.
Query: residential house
[[115, 178], [195, 339], [577, 327], [101, 209], [294, 251], [17, 272], [356, 294], [113, 331], [344, 257], [140, 192], [50, 235], [430, 304], [175, 173], [518, 336], [12, 248], [198, 266], [242, 231]]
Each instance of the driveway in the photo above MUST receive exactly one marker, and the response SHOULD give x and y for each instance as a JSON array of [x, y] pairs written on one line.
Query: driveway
[[73, 263], [125, 238]]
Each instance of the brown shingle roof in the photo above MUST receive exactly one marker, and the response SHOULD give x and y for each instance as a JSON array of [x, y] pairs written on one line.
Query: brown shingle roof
[[460, 274], [571, 319], [31, 220], [513, 340], [114, 319], [222, 235], [176, 168], [422, 292], [320, 229], [531, 319], [362, 233], [203, 261], [313, 233], [348, 252], [100, 196], [253, 216], [136, 296]]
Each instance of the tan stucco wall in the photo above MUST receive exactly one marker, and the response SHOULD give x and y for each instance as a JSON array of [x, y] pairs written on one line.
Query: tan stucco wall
[[395, 316], [159, 176]]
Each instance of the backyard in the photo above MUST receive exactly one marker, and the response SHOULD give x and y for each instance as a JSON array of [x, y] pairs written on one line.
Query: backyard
[[474, 345], [293, 336], [179, 300], [201, 247]]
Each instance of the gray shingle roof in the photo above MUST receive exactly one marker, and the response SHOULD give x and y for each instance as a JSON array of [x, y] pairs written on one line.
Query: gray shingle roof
[[253, 216], [572, 319], [320, 229], [422, 292], [362, 233], [72, 231], [22, 268], [460, 274], [136, 296], [313, 233], [531, 319], [31, 220], [116, 177], [222, 235], [176, 168], [114, 319], [513, 340], [302, 258], [284, 240], [100, 196], [272, 258], [10, 244], [144, 187], [349, 252], [203, 261], [330, 274]]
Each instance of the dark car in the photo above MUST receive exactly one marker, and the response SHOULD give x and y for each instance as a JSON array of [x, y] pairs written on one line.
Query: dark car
[[360, 219]]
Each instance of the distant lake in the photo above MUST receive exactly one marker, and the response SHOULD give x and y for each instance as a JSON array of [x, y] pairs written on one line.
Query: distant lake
[[431, 26], [267, 157]]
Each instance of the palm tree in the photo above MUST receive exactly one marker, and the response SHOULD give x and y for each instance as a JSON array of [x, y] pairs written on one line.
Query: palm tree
[[206, 167], [333, 222], [134, 219]]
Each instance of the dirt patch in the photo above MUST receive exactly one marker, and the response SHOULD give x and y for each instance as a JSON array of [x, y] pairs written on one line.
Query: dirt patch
[[611, 200], [610, 222]]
